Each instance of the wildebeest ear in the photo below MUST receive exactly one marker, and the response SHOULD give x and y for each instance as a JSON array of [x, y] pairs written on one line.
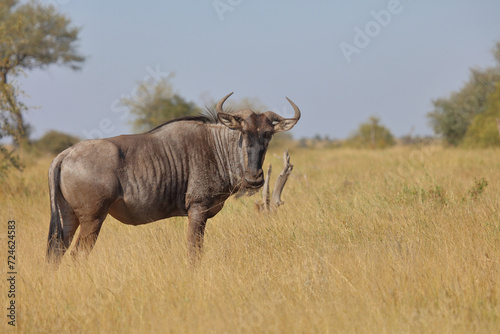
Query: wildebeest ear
[[231, 121], [284, 124]]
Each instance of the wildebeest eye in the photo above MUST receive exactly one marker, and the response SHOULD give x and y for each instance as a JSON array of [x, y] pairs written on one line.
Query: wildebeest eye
[[267, 134]]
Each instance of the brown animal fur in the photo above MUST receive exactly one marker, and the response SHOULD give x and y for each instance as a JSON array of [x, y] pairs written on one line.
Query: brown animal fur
[[186, 167]]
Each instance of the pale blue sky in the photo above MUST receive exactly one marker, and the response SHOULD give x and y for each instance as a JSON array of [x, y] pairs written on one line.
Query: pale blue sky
[[269, 50]]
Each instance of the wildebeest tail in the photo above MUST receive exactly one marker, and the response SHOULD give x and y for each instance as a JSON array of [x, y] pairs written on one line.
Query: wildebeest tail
[[55, 242]]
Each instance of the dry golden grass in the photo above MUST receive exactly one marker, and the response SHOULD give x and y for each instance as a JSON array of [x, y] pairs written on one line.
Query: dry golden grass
[[395, 241]]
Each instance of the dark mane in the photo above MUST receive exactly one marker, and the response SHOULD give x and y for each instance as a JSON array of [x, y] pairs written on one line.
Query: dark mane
[[209, 116]]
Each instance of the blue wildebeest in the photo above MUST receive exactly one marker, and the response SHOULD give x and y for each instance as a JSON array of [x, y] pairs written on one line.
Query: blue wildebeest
[[185, 167]]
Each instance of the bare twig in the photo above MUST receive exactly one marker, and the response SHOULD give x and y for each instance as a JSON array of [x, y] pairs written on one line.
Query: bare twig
[[265, 191], [272, 203], [281, 181]]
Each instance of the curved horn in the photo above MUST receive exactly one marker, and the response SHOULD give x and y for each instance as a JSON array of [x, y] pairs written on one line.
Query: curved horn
[[295, 108], [221, 102]]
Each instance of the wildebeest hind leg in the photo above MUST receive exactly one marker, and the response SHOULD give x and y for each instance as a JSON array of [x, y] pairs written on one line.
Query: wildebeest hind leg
[[70, 224], [89, 231], [60, 241]]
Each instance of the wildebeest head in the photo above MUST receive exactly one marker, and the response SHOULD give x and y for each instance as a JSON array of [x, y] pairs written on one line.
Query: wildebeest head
[[257, 130]]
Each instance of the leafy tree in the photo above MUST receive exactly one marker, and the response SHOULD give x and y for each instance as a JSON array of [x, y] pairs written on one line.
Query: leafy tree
[[452, 116], [484, 131], [32, 35], [252, 103], [55, 142], [11, 126], [155, 104], [371, 135]]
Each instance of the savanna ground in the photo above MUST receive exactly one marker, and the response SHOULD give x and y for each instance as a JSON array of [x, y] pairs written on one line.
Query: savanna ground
[[404, 240]]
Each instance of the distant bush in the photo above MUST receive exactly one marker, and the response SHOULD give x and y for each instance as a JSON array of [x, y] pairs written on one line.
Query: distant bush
[[155, 104], [55, 142], [452, 116], [371, 135], [410, 140], [483, 131]]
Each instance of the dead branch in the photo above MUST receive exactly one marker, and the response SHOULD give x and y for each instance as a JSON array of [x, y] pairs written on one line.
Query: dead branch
[[265, 191], [272, 203], [281, 181]]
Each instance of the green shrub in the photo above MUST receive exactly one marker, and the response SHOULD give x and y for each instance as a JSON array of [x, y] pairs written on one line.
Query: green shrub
[[483, 131], [55, 142], [371, 135]]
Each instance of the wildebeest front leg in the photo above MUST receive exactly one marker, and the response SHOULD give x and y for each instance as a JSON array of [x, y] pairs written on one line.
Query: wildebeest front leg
[[197, 222]]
